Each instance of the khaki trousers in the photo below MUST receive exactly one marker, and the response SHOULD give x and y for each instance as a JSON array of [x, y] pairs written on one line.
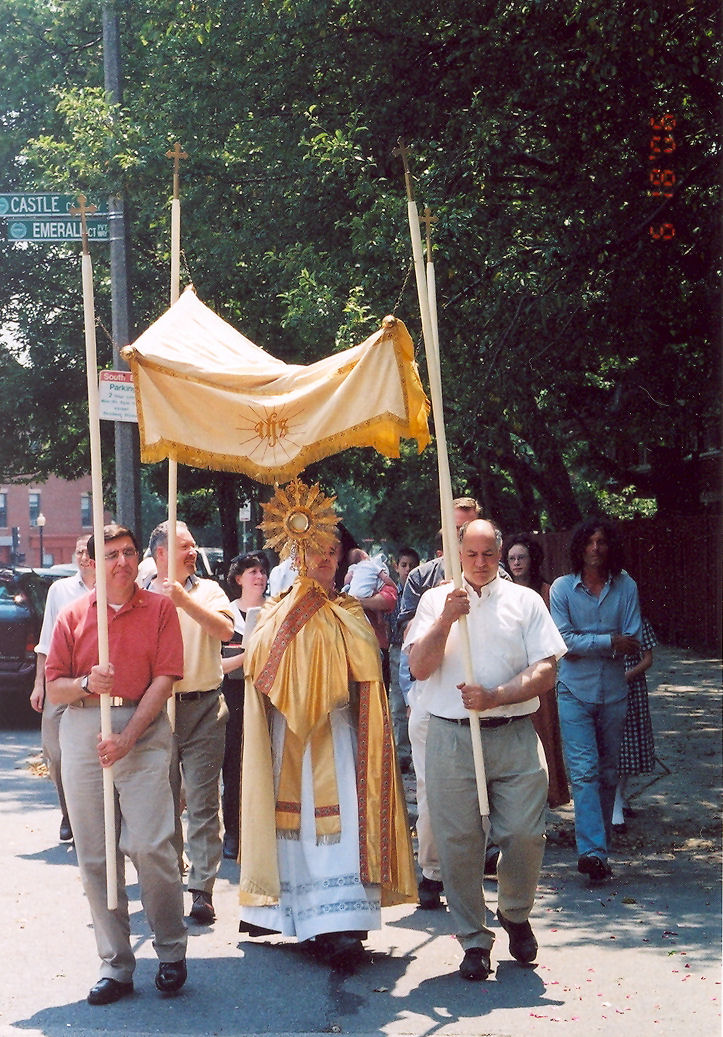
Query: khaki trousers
[[144, 828], [427, 856], [199, 743], [517, 788]]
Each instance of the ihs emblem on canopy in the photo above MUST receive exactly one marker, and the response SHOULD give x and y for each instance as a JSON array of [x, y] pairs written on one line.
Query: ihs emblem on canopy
[[299, 519]]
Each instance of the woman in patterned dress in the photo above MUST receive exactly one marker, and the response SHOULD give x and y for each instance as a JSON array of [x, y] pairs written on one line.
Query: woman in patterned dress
[[523, 558], [637, 748]]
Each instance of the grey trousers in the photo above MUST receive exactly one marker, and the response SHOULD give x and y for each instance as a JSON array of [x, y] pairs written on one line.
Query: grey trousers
[[199, 744], [50, 736], [144, 828], [516, 774]]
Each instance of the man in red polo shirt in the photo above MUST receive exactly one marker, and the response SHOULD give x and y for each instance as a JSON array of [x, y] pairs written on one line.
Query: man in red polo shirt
[[146, 657]]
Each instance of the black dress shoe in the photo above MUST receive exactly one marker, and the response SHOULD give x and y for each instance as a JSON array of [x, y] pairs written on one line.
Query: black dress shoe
[[340, 950], [202, 910], [523, 945], [66, 832], [108, 990], [429, 891], [595, 867], [475, 964], [249, 929], [171, 976], [230, 847]]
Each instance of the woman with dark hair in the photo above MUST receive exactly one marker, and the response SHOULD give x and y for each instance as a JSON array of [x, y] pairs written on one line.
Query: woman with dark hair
[[522, 557], [596, 609], [246, 581]]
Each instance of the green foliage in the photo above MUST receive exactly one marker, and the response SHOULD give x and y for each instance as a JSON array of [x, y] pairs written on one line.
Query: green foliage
[[569, 338]]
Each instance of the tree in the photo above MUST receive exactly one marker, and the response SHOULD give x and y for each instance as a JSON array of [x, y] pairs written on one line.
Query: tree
[[571, 337]]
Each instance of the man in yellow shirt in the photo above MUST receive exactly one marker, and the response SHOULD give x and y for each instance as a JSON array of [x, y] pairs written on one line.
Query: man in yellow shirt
[[206, 621]]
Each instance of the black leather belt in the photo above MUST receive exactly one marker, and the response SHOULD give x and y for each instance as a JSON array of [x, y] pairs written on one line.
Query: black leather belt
[[484, 721], [192, 696]]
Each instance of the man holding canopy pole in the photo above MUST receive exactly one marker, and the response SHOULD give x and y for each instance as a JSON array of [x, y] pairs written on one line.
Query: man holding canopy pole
[[145, 657], [514, 646]]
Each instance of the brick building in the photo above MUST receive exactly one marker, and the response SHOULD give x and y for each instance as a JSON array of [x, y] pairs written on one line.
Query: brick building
[[67, 509]]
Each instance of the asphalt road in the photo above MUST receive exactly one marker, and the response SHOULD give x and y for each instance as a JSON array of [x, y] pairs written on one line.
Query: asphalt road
[[641, 955]]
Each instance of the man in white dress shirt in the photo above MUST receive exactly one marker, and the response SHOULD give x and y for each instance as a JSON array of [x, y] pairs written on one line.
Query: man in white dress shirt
[[61, 593], [514, 647]]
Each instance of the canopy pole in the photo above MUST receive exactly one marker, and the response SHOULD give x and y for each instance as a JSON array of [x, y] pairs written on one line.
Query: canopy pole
[[176, 154], [91, 365], [430, 333]]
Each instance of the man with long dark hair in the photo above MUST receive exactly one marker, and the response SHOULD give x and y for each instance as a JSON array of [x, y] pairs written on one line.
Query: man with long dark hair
[[597, 612]]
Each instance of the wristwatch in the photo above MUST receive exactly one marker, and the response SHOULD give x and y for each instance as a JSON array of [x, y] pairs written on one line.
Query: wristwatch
[[84, 684]]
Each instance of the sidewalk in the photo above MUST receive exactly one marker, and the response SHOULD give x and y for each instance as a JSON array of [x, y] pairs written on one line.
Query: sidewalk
[[640, 955]]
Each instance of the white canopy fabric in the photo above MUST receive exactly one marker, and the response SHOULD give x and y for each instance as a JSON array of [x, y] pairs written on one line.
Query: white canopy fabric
[[207, 396]]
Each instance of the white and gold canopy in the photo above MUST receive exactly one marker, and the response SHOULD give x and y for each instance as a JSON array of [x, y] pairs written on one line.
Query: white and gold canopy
[[207, 396]]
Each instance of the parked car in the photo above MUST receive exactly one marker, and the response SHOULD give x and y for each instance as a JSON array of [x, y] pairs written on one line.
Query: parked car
[[209, 564], [22, 602]]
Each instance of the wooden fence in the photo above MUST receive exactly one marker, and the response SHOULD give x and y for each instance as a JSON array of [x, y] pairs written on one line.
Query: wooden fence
[[678, 566]]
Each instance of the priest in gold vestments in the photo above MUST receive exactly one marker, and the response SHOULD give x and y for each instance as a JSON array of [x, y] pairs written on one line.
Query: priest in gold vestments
[[324, 840]]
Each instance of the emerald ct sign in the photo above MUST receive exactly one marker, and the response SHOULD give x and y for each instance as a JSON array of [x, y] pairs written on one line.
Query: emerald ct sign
[[56, 230], [42, 216]]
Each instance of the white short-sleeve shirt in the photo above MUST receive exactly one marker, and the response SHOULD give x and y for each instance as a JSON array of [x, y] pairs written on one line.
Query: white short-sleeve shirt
[[510, 629]]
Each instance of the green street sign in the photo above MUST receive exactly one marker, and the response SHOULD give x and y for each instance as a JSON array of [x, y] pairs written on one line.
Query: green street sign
[[56, 230], [41, 203]]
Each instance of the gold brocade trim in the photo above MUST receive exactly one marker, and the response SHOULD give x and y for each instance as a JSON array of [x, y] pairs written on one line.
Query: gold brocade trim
[[361, 779], [309, 605], [198, 458]]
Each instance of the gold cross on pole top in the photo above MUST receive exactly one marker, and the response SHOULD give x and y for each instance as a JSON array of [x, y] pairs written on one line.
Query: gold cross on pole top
[[428, 220], [403, 150], [81, 211], [176, 154]]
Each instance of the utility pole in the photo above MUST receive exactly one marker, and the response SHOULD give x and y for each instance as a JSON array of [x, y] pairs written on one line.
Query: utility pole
[[127, 451]]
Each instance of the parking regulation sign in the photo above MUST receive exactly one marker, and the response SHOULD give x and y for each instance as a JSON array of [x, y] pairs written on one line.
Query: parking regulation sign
[[117, 398]]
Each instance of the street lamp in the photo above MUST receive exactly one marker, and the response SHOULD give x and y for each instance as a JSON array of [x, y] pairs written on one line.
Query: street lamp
[[40, 523]]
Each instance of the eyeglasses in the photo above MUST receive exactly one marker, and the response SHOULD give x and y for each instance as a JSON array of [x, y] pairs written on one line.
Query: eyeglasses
[[127, 552]]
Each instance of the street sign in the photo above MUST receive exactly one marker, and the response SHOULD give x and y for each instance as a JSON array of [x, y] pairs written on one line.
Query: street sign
[[41, 203], [56, 229], [116, 396]]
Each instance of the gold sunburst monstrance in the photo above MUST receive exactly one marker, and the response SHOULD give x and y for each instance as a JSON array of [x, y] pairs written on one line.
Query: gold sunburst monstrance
[[299, 519]]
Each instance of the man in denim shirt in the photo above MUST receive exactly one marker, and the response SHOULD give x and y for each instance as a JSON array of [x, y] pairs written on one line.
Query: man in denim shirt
[[596, 610]]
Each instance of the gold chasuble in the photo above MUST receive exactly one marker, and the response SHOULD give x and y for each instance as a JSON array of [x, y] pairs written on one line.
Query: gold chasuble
[[308, 655]]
